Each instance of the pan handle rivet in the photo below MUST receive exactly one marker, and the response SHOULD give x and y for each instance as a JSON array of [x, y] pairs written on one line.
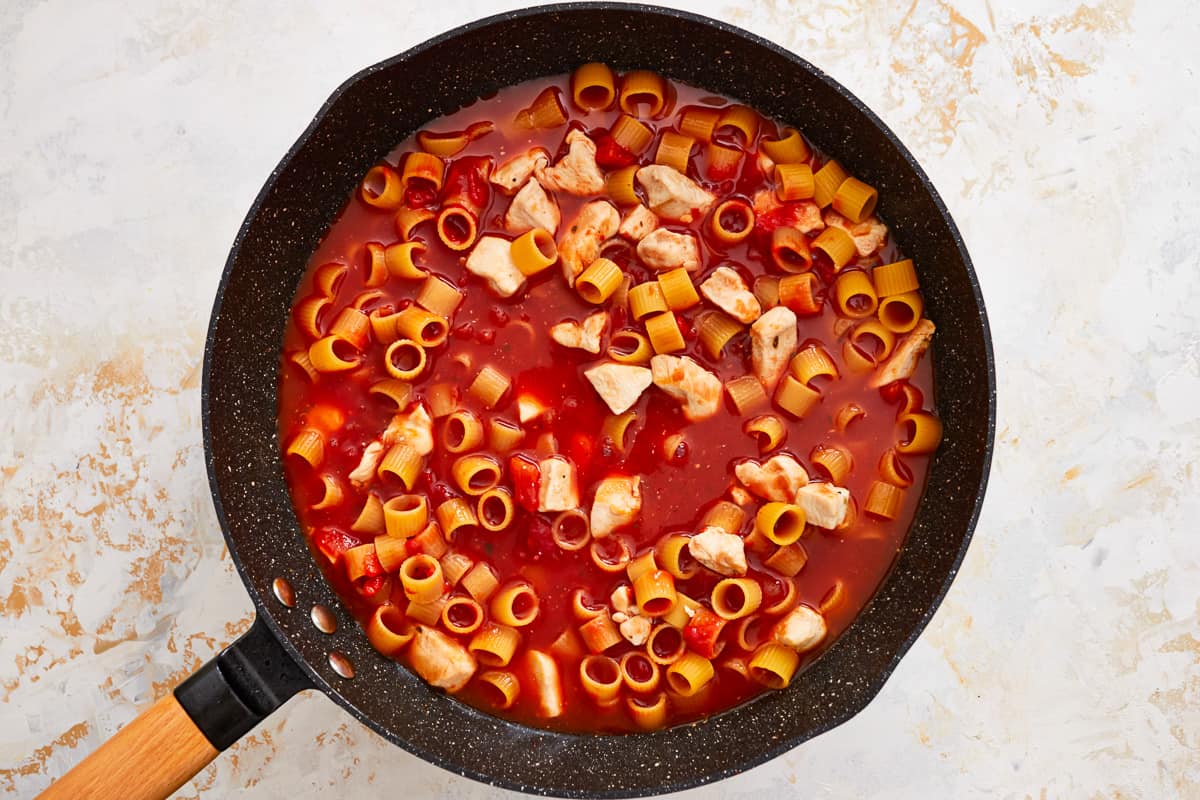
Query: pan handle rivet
[[284, 592], [341, 665], [323, 619]]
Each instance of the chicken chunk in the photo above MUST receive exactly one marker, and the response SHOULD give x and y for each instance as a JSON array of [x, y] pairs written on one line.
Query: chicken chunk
[[824, 504], [636, 629], [492, 260], [772, 342], [617, 503], [903, 362], [622, 600], [720, 551], [619, 385], [532, 208], [577, 172], [440, 660], [558, 489], [726, 289], [547, 684], [414, 427], [514, 172], [778, 478], [529, 408], [868, 235], [364, 473], [638, 223], [580, 244], [662, 249], [672, 195], [805, 215], [685, 380], [581, 336], [802, 629]]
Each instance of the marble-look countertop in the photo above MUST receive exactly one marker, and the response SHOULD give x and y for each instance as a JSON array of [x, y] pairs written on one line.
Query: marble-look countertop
[[1065, 138]]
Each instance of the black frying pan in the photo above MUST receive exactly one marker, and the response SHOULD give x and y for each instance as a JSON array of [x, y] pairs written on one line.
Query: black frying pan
[[284, 652]]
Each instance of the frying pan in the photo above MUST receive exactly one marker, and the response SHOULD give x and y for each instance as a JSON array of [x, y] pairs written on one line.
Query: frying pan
[[284, 653]]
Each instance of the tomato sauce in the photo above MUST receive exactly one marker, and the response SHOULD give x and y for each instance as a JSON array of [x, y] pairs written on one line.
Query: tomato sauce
[[678, 483]]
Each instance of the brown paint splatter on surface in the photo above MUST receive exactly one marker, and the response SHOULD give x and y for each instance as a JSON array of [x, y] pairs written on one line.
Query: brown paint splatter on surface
[[1072, 473], [37, 761]]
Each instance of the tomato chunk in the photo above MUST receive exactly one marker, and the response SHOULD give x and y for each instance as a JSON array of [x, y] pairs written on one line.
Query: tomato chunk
[[526, 477]]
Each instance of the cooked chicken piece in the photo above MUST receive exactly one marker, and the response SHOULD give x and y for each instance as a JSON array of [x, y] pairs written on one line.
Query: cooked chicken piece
[[803, 215], [492, 260], [739, 496], [868, 235], [364, 473], [726, 289], [637, 223], [672, 195], [580, 244], [622, 600], [778, 478], [510, 175], [619, 385], [803, 629], [903, 362], [824, 504], [440, 660], [581, 336], [698, 389], [636, 629], [617, 503], [576, 172], [772, 342], [662, 249], [721, 551], [414, 427], [558, 489], [529, 408], [532, 208], [547, 684]]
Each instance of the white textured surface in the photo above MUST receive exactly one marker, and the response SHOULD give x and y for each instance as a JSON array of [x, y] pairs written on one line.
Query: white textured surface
[[1064, 663]]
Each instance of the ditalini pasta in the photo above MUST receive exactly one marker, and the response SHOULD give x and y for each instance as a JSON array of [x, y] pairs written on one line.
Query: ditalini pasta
[[622, 388]]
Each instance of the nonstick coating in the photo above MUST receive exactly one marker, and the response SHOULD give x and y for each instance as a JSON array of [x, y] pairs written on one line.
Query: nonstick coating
[[365, 119]]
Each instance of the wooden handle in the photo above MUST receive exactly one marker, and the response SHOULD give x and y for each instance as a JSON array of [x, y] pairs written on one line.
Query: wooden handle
[[148, 759]]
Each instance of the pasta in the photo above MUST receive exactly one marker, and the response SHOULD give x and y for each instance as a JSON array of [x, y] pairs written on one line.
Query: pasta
[[515, 605], [480, 582], [773, 665], [900, 313], [494, 645], [631, 135], [812, 362], [782, 523], [333, 354], [461, 432], [664, 333], [593, 86], [401, 462], [506, 688], [884, 500], [475, 474], [546, 111], [790, 250], [655, 592], [746, 394], [732, 222], [456, 516], [421, 577], [462, 615], [734, 598], [854, 294], [534, 251], [599, 281], [400, 260], [646, 299], [837, 245], [715, 329], [489, 386], [405, 515], [495, 509], [689, 673], [674, 150], [924, 433], [600, 677], [672, 552], [899, 277], [619, 185], [699, 123], [629, 347], [789, 148], [439, 297], [855, 200], [793, 182], [381, 188], [309, 446], [448, 145], [826, 181], [678, 291], [423, 327], [404, 359], [742, 119], [570, 530], [642, 88], [795, 398], [768, 430]]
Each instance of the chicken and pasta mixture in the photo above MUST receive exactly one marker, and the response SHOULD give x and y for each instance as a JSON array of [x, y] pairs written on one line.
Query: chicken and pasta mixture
[[603, 403]]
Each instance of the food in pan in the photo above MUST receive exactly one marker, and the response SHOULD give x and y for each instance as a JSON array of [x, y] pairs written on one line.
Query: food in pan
[[603, 402]]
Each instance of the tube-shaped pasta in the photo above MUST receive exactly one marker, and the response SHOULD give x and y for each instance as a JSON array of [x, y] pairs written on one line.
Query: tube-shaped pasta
[[789, 148], [629, 347], [834, 460], [768, 431], [734, 598], [855, 200], [475, 474], [600, 677], [723, 162], [439, 297], [448, 145], [923, 433], [638, 672], [546, 111], [333, 354], [854, 296], [837, 245], [457, 227], [308, 313], [631, 135], [408, 218], [351, 325], [884, 500], [640, 565], [584, 607], [787, 560], [423, 166], [611, 553], [826, 182], [388, 631], [534, 251], [834, 597], [309, 446], [401, 262], [773, 665], [743, 119], [423, 327], [480, 581], [675, 558], [619, 185], [750, 631], [664, 333], [503, 688], [683, 612], [795, 398], [515, 605], [725, 515], [689, 673], [666, 644], [495, 509], [674, 150], [381, 188], [404, 359], [332, 493], [900, 313], [677, 288], [855, 359], [405, 515], [395, 392], [732, 222], [426, 613], [503, 435], [846, 416], [790, 250], [648, 713], [599, 281], [793, 182], [898, 277], [442, 399], [599, 633], [377, 271], [401, 462], [429, 541], [873, 339], [746, 394], [641, 87], [489, 386], [800, 293], [766, 291], [593, 86], [366, 298], [646, 299], [616, 428], [567, 647], [494, 645], [698, 122], [454, 516], [893, 470], [370, 518], [462, 615], [655, 592], [383, 325], [454, 566], [462, 431], [812, 362], [421, 577], [787, 600], [782, 523]]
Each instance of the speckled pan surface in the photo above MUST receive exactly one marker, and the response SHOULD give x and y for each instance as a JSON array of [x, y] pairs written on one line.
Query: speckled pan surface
[[363, 120]]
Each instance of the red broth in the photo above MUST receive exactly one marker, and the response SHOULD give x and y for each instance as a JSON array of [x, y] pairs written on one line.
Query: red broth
[[678, 481]]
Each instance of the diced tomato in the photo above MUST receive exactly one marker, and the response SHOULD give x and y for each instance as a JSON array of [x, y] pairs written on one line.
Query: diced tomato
[[892, 392], [420, 194], [702, 632], [686, 329], [611, 155], [331, 543], [371, 566], [369, 587], [326, 418], [722, 172], [465, 182], [526, 477]]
